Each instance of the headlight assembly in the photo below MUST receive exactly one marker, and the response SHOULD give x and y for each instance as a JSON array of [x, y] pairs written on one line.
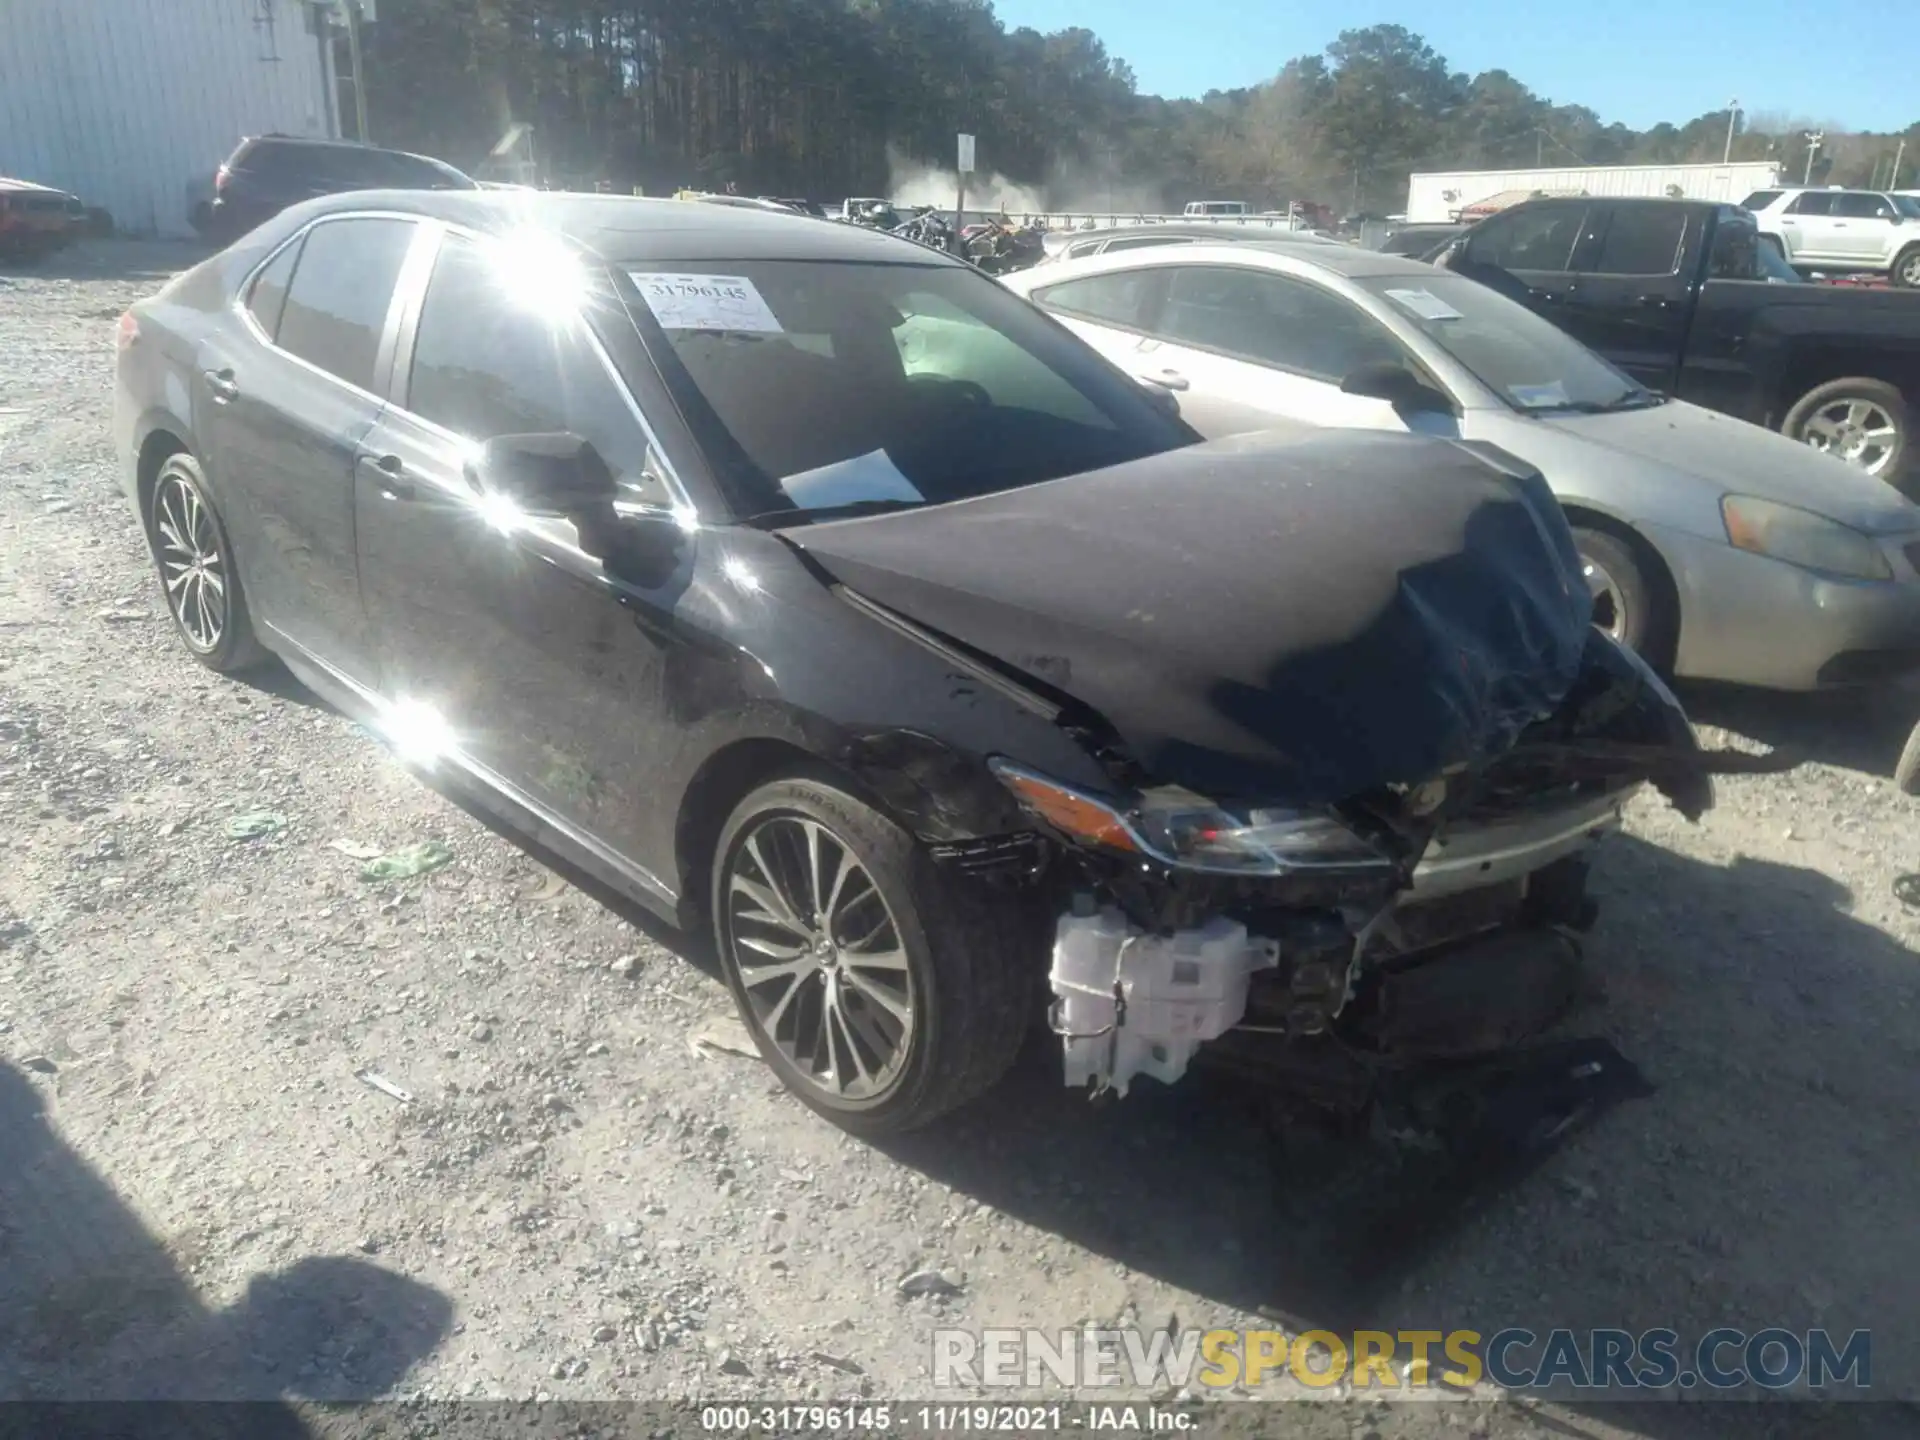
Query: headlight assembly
[[1802, 538], [1180, 828]]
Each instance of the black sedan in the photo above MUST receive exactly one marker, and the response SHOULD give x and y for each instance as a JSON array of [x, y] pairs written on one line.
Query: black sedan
[[803, 583]]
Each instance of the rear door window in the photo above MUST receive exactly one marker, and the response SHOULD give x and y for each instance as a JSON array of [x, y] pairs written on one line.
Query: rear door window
[[1760, 199], [1811, 202], [337, 305], [1642, 240], [1119, 298], [267, 296]]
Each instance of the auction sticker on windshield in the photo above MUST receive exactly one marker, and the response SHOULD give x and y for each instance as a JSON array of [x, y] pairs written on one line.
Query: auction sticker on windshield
[[1539, 397], [1425, 304], [705, 302]]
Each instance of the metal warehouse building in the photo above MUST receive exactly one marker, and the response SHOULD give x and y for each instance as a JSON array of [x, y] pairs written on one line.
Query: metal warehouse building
[[133, 104]]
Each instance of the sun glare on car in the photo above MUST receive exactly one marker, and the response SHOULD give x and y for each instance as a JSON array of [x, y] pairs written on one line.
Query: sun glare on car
[[416, 732], [538, 273]]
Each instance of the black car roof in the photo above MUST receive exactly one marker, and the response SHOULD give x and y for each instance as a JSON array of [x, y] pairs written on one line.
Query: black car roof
[[628, 229]]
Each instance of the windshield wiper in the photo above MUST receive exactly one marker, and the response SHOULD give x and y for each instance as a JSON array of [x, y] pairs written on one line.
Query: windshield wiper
[[776, 519], [1634, 399]]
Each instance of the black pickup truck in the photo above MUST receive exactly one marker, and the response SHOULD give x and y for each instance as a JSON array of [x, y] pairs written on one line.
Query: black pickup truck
[[1682, 296]]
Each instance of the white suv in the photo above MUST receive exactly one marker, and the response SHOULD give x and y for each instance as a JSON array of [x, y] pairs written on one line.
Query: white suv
[[1843, 230]]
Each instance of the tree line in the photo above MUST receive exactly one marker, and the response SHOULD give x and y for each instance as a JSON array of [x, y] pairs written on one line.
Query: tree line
[[825, 98]]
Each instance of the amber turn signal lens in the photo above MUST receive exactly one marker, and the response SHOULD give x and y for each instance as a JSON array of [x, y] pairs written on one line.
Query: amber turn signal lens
[[1078, 816]]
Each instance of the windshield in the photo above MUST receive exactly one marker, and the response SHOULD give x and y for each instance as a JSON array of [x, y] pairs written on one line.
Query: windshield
[[1527, 362], [817, 386]]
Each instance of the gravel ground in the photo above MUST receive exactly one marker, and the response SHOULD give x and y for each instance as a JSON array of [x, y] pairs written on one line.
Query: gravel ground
[[576, 1204]]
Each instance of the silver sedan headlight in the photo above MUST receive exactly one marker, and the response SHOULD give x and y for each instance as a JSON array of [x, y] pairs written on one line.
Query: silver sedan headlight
[[1800, 537]]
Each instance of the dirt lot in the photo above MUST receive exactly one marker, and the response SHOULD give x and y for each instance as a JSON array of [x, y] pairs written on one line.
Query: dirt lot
[[576, 1204]]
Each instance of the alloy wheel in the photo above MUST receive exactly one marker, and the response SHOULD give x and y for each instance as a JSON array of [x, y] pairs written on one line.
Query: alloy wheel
[[187, 544], [820, 957], [1609, 601], [1859, 432]]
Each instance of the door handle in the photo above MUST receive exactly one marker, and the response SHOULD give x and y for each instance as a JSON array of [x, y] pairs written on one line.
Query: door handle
[[223, 386], [1169, 380], [389, 474]]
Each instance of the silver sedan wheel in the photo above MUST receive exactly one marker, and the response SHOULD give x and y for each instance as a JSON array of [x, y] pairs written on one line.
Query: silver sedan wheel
[[1859, 432], [1609, 600], [820, 957], [188, 547]]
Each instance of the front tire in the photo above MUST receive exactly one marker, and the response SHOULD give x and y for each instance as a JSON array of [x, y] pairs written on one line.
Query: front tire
[[1863, 421], [883, 991], [1905, 272], [197, 572], [1625, 602]]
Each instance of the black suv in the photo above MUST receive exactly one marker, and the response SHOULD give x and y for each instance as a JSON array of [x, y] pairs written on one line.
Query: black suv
[[270, 172]]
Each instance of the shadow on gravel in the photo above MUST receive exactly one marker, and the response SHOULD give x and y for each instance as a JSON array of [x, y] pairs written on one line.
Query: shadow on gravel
[[92, 1307], [1861, 730], [1770, 1180]]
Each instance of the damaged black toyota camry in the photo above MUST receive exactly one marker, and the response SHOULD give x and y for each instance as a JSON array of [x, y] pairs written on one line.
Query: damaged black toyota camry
[[804, 584]]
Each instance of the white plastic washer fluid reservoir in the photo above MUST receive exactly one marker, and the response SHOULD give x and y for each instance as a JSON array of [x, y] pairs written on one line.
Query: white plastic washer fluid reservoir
[[1180, 990]]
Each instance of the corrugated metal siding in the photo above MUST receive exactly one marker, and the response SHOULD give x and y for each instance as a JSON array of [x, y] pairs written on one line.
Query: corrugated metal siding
[[132, 104], [1433, 199]]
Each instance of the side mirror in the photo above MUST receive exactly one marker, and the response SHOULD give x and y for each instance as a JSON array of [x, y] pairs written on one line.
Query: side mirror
[[1398, 386], [551, 475]]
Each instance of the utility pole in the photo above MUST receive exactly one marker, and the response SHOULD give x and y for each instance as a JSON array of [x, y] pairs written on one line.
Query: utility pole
[[1814, 137], [352, 8], [1899, 154], [1733, 114]]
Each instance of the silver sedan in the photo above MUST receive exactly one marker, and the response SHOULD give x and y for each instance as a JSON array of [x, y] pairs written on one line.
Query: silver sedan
[[1714, 547]]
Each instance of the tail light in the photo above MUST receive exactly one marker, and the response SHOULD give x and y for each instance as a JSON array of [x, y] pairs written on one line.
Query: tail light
[[127, 332], [220, 179]]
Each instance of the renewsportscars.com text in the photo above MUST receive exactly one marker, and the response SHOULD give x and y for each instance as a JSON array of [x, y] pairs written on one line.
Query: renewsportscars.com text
[[1513, 1358]]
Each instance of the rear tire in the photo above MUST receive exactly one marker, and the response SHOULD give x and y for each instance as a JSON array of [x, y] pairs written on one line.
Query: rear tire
[[936, 1013], [1905, 272], [1848, 419], [1626, 603], [198, 577]]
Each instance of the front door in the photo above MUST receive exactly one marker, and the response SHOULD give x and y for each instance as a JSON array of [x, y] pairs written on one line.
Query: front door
[[285, 422], [546, 668]]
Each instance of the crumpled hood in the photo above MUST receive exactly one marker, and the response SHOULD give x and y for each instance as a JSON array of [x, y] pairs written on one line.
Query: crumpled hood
[[1747, 459], [1259, 618]]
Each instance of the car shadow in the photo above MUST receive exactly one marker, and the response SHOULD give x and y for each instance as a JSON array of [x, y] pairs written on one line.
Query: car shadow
[[94, 1307], [1857, 729], [1757, 1186]]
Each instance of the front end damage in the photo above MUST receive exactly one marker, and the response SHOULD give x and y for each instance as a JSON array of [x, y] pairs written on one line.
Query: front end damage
[[1318, 949], [1353, 731]]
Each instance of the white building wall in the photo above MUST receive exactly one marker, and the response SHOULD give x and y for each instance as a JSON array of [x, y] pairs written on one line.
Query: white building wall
[[133, 104], [1433, 199]]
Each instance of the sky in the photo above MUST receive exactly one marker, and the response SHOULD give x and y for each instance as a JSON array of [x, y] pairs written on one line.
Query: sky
[[1639, 62]]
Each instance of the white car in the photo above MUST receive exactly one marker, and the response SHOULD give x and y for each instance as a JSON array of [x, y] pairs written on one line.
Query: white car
[[1714, 547], [1843, 230]]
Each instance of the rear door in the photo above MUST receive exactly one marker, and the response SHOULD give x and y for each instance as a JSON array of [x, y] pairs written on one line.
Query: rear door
[[286, 407], [1808, 228], [1246, 348], [1630, 299]]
